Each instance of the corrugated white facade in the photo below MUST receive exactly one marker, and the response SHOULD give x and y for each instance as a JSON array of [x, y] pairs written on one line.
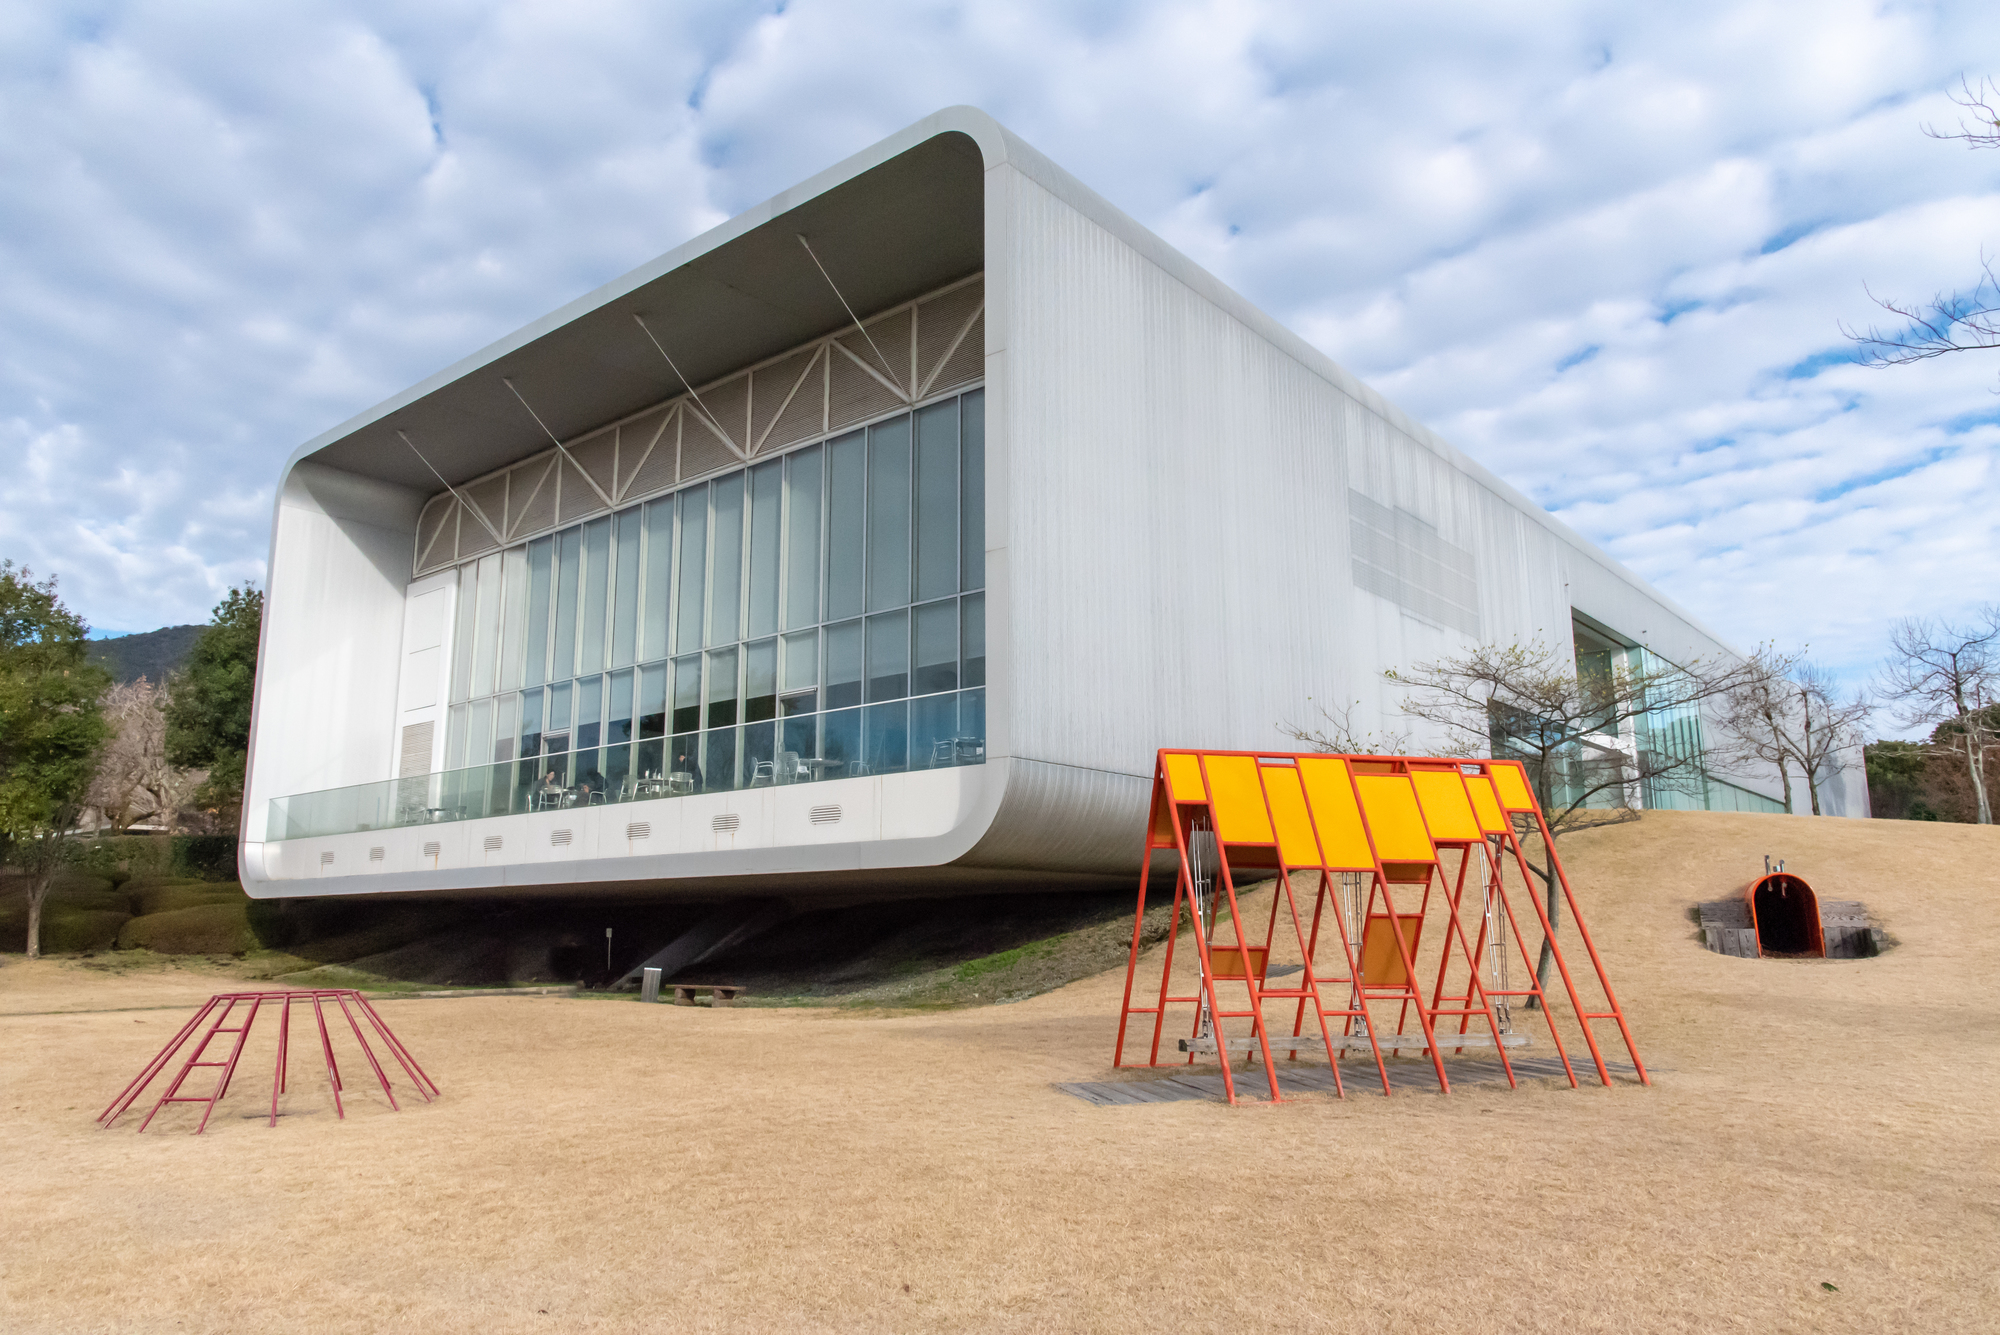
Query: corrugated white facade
[[1196, 527]]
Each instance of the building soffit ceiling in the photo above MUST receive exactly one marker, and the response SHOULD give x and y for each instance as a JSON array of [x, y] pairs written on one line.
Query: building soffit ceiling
[[887, 235]]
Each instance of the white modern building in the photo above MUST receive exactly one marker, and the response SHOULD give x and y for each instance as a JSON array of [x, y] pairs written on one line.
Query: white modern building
[[703, 584]]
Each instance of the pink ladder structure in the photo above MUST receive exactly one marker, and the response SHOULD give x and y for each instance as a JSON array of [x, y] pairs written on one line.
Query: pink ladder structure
[[229, 1017]]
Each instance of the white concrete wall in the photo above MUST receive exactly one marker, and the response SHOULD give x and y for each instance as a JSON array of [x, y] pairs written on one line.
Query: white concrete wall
[[330, 652], [1169, 515]]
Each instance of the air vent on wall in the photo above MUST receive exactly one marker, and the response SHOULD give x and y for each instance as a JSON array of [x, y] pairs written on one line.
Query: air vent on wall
[[493, 842], [726, 823], [641, 829], [560, 838], [326, 859], [432, 850], [826, 815], [377, 853]]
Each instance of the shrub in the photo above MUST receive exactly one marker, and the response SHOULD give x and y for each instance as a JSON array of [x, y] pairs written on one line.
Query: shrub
[[150, 897], [203, 929]]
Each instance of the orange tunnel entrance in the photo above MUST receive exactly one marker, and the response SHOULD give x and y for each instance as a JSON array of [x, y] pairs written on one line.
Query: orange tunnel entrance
[[1785, 912]]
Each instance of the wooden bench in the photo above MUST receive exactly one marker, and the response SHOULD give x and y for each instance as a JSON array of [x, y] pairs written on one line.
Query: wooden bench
[[719, 994]]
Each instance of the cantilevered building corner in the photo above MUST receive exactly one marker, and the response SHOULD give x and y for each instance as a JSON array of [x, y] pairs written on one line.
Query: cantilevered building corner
[[768, 603]]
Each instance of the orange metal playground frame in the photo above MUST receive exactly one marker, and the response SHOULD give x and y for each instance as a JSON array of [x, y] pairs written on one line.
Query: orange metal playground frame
[[1369, 836]]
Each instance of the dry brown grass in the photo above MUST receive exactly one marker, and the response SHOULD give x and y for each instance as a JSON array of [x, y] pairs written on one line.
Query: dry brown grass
[[601, 1166]]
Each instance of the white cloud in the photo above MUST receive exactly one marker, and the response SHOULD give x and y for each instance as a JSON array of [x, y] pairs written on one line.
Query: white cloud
[[1604, 248]]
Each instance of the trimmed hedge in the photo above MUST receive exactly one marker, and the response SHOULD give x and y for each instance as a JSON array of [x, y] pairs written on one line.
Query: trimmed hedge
[[206, 857], [150, 897], [66, 930], [204, 929]]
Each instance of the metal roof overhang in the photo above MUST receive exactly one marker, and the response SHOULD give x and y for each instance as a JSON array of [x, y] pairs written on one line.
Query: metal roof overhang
[[734, 296]]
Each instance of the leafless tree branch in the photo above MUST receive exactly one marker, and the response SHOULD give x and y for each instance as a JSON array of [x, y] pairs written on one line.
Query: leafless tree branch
[[1983, 129]]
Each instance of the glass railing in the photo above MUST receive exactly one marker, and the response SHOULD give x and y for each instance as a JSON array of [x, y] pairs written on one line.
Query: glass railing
[[929, 732]]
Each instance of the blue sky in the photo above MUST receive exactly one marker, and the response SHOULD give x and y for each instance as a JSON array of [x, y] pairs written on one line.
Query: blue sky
[[1604, 248]]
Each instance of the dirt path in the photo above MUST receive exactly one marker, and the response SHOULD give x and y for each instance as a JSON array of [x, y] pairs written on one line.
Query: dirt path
[[602, 1166]]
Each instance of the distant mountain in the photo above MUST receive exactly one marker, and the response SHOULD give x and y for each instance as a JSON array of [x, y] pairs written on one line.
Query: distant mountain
[[151, 654]]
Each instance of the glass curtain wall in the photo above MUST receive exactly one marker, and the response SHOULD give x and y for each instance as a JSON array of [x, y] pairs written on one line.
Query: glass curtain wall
[[816, 615]]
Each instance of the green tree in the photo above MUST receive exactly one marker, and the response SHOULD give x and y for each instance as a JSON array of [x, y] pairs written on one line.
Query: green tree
[[208, 703], [51, 730]]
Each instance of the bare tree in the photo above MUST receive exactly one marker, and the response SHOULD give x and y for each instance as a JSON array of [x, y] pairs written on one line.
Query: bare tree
[[1584, 737], [1949, 321], [1944, 675], [1983, 103], [1828, 725], [134, 782], [1336, 734], [1755, 724]]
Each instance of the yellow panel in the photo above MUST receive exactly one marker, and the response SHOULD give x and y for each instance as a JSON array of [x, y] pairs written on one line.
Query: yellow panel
[[1447, 810], [1238, 800], [1342, 836], [1184, 777], [1491, 818], [1288, 813], [1394, 818], [1381, 962], [1512, 785]]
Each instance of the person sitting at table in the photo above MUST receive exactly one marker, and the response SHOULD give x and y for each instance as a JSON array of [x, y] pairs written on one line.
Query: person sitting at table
[[685, 763], [591, 783], [551, 789]]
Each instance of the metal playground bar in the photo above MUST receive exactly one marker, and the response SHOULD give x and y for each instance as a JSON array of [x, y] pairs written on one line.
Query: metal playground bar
[[231, 1016]]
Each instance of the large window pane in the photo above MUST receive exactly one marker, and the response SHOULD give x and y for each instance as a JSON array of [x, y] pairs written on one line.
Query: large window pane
[[802, 515], [589, 730], [972, 640], [687, 693], [541, 561], [531, 723], [569, 559], [625, 588], [596, 587], [653, 701], [719, 760], [840, 742], [885, 743], [693, 580], [767, 485], [937, 501], [972, 490], [936, 645], [618, 733], [454, 736], [725, 587], [933, 728], [888, 656], [846, 517], [513, 617], [556, 732], [889, 515], [760, 681], [721, 695], [658, 595], [798, 742], [843, 665], [759, 755], [462, 634], [798, 687], [506, 725], [486, 633], [479, 733]]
